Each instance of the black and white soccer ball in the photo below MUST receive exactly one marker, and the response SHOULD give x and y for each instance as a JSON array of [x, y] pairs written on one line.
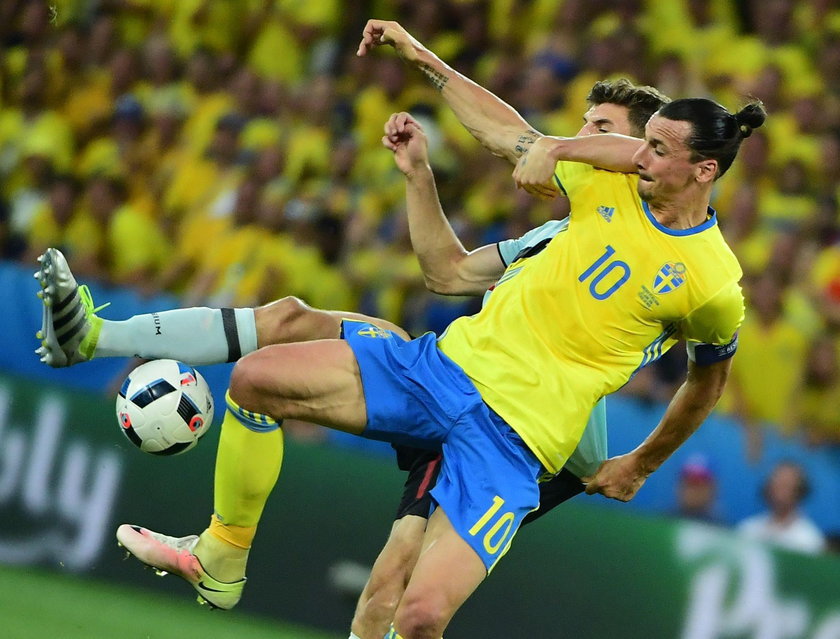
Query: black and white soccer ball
[[164, 407]]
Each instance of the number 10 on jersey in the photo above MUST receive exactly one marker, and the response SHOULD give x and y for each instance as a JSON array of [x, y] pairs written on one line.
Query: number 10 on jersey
[[600, 269]]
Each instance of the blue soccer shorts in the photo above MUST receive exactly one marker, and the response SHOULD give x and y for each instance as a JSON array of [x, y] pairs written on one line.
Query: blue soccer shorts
[[417, 396]]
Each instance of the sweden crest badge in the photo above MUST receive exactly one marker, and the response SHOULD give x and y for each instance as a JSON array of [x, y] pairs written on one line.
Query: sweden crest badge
[[669, 277]]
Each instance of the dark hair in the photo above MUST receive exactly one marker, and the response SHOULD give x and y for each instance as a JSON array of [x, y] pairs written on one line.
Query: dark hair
[[716, 133], [67, 179], [114, 183], [641, 101], [803, 490]]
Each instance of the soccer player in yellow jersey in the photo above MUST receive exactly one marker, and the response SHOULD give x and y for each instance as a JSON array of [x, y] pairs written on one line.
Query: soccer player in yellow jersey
[[689, 144], [613, 106], [505, 392]]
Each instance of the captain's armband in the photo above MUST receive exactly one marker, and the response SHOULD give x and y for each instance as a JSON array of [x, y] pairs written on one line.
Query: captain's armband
[[706, 354]]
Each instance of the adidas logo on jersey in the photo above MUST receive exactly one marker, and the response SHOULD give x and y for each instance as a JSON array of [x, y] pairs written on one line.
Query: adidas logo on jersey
[[606, 212]]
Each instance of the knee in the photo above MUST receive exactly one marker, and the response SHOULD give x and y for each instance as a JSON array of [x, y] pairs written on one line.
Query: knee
[[285, 309], [421, 617], [281, 321], [245, 383]]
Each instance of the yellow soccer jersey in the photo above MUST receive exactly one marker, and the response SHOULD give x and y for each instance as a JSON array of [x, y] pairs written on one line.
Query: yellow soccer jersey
[[768, 370], [605, 297]]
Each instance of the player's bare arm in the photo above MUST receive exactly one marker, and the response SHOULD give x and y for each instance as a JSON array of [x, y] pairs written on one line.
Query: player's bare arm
[[492, 121], [447, 266], [609, 151], [621, 477]]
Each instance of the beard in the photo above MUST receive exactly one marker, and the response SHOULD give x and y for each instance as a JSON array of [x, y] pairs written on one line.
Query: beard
[[644, 191]]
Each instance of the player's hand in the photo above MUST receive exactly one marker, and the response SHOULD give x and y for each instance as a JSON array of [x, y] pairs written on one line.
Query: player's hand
[[406, 138], [379, 32], [617, 478], [534, 171]]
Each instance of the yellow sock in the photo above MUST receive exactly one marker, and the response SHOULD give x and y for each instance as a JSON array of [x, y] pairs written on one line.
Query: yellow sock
[[247, 467]]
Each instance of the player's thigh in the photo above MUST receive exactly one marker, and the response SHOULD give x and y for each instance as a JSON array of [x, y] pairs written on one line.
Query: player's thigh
[[290, 319], [314, 381], [447, 572]]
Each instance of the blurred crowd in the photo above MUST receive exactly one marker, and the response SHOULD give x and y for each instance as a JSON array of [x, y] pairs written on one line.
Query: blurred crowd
[[229, 152], [782, 522]]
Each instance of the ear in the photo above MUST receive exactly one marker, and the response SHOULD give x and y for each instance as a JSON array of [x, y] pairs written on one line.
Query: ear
[[706, 171]]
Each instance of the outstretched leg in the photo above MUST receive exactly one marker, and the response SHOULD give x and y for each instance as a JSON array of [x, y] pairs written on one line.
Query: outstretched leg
[[72, 332]]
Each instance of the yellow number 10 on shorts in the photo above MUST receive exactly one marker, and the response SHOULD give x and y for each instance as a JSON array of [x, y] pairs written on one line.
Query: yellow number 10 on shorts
[[499, 532]]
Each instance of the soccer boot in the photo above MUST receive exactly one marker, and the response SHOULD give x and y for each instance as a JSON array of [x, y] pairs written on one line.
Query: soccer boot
[[174, 555], [69, 325]]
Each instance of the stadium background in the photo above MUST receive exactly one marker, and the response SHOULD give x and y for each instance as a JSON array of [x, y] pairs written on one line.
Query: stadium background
[[228, 153]]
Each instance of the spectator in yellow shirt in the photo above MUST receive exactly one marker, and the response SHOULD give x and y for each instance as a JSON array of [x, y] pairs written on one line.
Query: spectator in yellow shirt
[[133, 247], [33, 127], [204, 186], [210, 101], [234, 253], [764, 380], [59, 222], [789, 205], [819, 417]]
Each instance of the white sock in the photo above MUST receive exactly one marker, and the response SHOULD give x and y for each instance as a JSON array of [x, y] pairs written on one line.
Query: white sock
[[354, 636], [195, 336]]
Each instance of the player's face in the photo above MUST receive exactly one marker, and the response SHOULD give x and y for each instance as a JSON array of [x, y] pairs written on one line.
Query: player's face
[[606, 118], [664, 160]]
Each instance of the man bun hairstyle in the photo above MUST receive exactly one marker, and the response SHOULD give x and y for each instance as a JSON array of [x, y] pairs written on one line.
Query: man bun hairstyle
[[641, 101], [716, 133], [750, 117]]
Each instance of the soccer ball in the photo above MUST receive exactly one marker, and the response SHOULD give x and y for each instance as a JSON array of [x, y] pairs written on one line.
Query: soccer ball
[[164, 407]]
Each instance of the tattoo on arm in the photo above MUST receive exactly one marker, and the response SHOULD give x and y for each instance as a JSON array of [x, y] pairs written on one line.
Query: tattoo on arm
[[525, 141], [437, 78]]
